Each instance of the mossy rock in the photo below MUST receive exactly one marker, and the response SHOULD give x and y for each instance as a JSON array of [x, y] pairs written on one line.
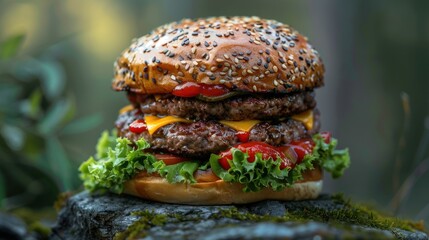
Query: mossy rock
[[112, 216]]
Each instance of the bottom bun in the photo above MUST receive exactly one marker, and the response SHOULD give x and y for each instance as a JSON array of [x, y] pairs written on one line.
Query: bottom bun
[[219, 192]]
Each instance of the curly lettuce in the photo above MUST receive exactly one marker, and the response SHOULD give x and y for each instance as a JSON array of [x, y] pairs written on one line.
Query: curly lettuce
[[266, 173], [118, 160]]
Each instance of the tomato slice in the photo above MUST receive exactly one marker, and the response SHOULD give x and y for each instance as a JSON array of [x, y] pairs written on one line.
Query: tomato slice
[[252, 148], [170, 159], [188, 89], [302, 148], [223, 160], [291, 155]]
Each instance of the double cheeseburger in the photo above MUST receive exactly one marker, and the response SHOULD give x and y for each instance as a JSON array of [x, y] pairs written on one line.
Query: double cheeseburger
[[222, 111]]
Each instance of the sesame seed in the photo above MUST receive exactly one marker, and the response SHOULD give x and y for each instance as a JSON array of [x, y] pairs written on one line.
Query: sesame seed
[[284, 66], [219, 60], [194, 50], [255, 68], [226, 56], [254, 88], [173, 77], [275, 69], [222, 81]]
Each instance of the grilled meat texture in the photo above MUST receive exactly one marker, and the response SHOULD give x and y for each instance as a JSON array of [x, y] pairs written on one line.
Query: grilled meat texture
[[256, 106], [199, 139]]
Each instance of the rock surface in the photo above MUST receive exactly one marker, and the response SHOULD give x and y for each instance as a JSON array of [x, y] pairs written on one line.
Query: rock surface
[[88, 216]]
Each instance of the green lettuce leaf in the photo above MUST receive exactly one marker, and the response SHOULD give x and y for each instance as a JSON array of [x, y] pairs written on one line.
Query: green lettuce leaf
[[264, 173], [117, 161]]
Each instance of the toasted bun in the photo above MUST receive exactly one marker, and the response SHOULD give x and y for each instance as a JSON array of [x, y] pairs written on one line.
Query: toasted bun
[[242, 53], [220, 192]]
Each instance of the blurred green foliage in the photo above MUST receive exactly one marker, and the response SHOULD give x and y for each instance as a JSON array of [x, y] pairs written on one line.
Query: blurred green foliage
[[36, 113], [373, 51]]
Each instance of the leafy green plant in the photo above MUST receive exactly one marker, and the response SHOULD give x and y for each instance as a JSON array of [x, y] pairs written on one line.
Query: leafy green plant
[[36, 114]]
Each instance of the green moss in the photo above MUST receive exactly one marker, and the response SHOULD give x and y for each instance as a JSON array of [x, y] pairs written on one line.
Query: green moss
[[33, 219], [138, 228], [62, 200], [349, 214], [346, 214]]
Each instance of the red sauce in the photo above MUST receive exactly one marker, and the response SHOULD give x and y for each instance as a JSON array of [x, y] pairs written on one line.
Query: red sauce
[[243, 136], [291, 154], [138, 126], [213, 90], [190, 89]]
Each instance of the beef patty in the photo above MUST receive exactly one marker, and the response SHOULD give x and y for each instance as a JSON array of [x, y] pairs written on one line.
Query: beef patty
[[255, 106], [201, 138]]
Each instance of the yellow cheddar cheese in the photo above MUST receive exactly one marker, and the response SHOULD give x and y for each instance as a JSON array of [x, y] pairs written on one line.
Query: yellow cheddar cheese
[[153, 123], [244, 125], [306, 118]]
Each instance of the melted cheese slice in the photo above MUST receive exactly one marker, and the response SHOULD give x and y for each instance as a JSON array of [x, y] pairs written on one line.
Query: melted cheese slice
[[244, 125], [153, 123], [306, 118]]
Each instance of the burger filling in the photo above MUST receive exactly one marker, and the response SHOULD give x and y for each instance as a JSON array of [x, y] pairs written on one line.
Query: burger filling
[[199, 139], [238, 107], [258, 153]]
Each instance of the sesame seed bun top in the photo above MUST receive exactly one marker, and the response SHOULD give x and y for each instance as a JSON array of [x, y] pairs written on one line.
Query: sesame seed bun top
[[242, 53]]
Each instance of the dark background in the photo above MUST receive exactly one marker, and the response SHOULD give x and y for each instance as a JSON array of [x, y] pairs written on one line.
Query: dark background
[[56, 65]]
